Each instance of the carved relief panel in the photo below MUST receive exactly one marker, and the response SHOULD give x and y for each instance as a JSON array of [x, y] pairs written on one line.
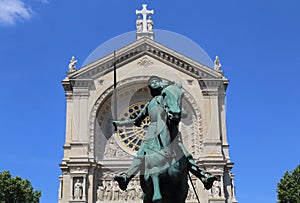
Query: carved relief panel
[[109, 191]]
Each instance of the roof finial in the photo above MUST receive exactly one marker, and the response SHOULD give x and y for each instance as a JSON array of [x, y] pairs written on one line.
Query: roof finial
[[217, 65], [144, 26], [72, 65]]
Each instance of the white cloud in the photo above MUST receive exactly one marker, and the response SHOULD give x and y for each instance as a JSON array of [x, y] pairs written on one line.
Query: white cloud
[[12, 11]]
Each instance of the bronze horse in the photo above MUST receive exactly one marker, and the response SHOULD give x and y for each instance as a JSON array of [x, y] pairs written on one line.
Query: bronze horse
[[164, 178], [162, 160]]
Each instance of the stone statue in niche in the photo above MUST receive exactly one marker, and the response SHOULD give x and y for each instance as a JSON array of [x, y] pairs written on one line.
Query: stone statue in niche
[[78, 189], [215, 190]]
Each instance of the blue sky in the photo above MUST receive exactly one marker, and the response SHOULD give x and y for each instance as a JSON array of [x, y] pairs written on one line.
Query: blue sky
[[258, 43]]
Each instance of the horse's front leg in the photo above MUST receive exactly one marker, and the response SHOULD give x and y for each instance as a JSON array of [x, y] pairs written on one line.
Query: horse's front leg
[[156, 189]]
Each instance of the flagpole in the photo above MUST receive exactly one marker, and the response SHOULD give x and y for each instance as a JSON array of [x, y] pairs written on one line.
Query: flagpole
[[115, 90]]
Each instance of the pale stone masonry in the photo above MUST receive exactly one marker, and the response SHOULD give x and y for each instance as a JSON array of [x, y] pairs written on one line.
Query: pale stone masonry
[[94, 152]]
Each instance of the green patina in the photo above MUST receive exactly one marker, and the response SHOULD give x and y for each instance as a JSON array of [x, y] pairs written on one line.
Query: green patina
[[162, 159]]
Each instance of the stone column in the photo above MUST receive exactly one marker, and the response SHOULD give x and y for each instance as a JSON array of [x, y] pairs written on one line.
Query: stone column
[[84, 188], [223, 130], [91, 179], [233, 189], [222, 185], [60, 187], [69, 115], [71, 188]]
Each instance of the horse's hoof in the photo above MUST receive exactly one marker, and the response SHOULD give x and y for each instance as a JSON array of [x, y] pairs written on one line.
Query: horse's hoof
[[209, 181], [157, 199], [122, 181]]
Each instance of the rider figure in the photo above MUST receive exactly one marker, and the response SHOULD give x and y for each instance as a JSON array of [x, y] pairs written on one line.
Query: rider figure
[[155, 110]]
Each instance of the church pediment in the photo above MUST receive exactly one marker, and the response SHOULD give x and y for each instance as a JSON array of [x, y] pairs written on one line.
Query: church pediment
[[139, 50]]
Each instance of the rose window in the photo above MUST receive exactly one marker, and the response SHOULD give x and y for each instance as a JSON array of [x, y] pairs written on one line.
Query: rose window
[[132, 136]]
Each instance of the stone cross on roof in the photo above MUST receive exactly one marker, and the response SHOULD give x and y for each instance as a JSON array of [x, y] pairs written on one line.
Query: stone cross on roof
[[144, 12]]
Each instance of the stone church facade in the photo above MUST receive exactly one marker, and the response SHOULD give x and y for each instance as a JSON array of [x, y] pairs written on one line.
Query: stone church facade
[[94, 152]]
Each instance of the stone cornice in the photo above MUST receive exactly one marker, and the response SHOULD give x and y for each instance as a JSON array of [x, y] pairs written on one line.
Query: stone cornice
[[213, 83], [67, 85], [213, 87], [81, 83], [77, 87], [146, 47], [107, 61], [68, 88]]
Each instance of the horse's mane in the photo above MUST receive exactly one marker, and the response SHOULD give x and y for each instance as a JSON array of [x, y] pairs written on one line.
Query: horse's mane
[[172, 88]]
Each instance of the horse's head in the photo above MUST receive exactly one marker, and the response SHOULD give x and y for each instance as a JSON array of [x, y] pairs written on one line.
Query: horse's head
[[172, 96]]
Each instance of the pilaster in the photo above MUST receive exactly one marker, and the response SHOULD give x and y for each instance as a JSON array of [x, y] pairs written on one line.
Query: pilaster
[[222, 111], [212, 141]]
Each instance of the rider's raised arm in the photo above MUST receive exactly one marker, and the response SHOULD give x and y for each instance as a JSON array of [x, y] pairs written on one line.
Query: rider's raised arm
[[124, 122], [135, 121]]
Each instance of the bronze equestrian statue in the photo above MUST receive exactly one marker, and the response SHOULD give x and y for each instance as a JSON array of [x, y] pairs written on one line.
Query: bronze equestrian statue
[[162, 160]]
